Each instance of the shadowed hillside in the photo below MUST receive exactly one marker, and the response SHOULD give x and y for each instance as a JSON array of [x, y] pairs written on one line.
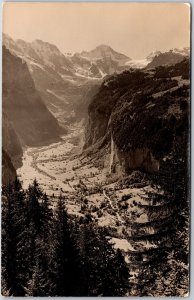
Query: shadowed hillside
[[140, 112], [138, 129], [8, 170], [23, 106]]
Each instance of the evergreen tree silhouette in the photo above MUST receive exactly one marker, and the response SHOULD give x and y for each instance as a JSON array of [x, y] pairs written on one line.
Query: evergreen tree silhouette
[[67, 270], [15, 244]]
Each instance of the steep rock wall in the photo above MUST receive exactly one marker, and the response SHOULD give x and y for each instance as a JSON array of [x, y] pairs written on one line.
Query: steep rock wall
[[8, 170], [137, 159], [139, 113], [23, 106]]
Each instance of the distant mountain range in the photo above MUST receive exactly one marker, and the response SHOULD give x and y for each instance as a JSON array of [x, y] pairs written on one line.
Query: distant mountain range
[[169, 58], [97, 63], [157, 58], [78, 67], [38, 79], [64, 80]]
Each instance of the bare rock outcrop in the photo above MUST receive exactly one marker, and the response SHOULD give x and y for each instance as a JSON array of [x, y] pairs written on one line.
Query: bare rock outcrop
[[138, 114]]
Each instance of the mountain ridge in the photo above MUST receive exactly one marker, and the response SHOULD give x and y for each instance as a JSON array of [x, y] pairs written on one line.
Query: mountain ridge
[[23, 106], [62, 80], [122, 105]]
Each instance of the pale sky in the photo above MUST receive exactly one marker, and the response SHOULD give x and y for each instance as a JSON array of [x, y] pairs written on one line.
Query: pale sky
[[134, 29]]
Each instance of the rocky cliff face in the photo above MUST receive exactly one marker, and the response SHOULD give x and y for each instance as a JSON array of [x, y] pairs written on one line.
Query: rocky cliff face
[[60, 79], [143, 112], [171, 57], [23, 106], [139, 128], [8, 170], [11, 142]]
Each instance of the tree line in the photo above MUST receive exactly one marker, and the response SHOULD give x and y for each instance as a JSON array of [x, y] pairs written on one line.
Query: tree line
[[46, 252]]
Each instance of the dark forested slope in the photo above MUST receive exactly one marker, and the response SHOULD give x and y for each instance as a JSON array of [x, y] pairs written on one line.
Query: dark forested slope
[[142, 112], [138, 126]]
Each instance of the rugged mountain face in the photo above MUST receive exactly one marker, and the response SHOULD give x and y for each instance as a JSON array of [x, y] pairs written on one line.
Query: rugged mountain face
[[39, 52], [84, 101], [157, 58], [60, 79], [171, 57], [104, 51], [11, 142], [137, 115], [96, 63], [8, 170], [23, 107], [138, 131], [63, 79], [153, 54], [142, 63], [106, 60], [45, 62], [183, 51]]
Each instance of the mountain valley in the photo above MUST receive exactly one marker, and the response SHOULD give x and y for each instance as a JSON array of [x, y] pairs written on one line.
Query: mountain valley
[[108, 133], [66, 80]]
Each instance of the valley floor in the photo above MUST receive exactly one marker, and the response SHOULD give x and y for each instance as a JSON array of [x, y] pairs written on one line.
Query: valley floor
[[135, 223], [59, 168]]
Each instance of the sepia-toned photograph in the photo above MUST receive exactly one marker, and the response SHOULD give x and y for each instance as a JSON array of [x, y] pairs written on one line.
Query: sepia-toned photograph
[[95, 149]]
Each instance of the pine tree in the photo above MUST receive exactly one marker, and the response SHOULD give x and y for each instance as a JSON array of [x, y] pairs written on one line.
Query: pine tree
[[104, 271], [41, 282], [14, 240], [46, 255], [114, 271], [45, 248], [66, 255], [34, 211], [38, 285], [6, 241]]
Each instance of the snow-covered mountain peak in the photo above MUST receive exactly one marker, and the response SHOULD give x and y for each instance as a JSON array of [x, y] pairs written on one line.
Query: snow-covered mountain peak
[[45, 47], [153, 54], [104, 52], [183, 51]]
